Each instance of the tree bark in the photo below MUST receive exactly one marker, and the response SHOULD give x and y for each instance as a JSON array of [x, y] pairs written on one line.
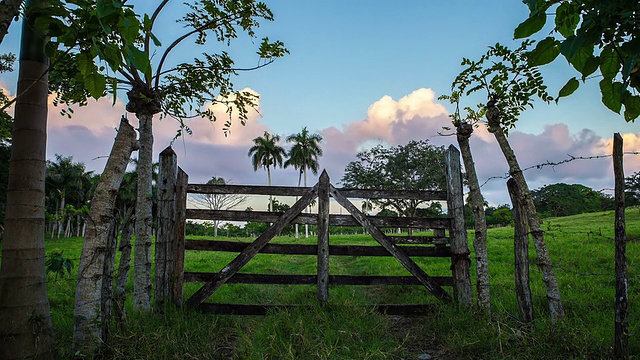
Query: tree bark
[[144, 218], [119, 293], [521, 255], [94, 271], [464, 131], [544, 259], [25, 318]]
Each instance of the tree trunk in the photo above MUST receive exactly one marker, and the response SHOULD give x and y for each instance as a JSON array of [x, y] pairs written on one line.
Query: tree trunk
[[67, 229], [26, 330], [464, 131], [92, 278], [544, 259], [78, 222], [306, 226], [521, 255], [119, 293], [144, 218]]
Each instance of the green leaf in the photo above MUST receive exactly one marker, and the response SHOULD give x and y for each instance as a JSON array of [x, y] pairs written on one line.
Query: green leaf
[[530, 26], [129, 27], [85, 63], [111, 54], [139, 59], [114, 90], [156, 42], [631, 108], [545, 52], [95, 84], [611, 95], [569, 88], [590, 66], [567, 18], [609, 64], [571, 45], [105, 8]]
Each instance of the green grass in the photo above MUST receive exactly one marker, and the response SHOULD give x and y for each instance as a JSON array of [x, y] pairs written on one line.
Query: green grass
[[581, 248]]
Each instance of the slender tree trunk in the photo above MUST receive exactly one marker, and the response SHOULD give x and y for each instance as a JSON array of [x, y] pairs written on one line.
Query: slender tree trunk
[[95, 270], [306, 226], [119, 293], [270, 196], [78, 221], [464, 131], [61, 215], [215, 228], [299, 183], [544, 259], [67, 229], [144, 218], [25, 318], [621, 322]]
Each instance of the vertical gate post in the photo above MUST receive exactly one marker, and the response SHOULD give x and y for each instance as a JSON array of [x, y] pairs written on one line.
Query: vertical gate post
[[166, 215], [323, 237], [177, 278], [521, 254], [460, 262], [621, 341]]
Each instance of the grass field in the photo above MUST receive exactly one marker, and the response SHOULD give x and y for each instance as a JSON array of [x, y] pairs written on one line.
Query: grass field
[[581, 247]]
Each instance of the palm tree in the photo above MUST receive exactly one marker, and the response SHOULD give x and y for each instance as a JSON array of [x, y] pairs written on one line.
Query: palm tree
[[304, 155], [266, 153], [26, 330]]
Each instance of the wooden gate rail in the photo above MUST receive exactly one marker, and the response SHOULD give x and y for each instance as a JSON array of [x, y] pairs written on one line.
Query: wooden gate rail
[[439, 245]]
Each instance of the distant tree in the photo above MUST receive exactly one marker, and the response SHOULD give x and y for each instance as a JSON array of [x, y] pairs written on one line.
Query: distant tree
[[417, 165], [581, 26], [563, 200], [501, 216], [632, 187], [9, 9], [304, 156], [266, 153], [218, 201]]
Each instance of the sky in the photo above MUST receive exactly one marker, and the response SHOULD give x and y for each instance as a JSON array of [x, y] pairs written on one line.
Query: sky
[[362, 73]]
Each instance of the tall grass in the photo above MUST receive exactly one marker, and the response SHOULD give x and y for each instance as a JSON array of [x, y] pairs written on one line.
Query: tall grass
[[581, 247]]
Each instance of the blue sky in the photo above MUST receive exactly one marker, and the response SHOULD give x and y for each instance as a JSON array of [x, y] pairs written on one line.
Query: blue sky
[[363, 72]]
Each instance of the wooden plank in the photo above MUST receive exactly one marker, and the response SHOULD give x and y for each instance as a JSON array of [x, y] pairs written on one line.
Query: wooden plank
[[177, 280], [259, 310], [323, 237], [168, 175], [311, 219], [460, 262], [521, 254], [247, 189], [394, 194], [304, 249], [435, 240], [395, 250], [299, 191], [250, 251], [294, 279], [621, 325]]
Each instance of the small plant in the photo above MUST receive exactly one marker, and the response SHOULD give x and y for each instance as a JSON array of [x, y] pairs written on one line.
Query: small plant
[[57, 264]]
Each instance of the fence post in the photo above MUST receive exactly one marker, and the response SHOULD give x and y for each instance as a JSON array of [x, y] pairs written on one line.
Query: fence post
[[460, 261], [166, 215], [177, 278], [323, 237], [521, 253], [621, 341]]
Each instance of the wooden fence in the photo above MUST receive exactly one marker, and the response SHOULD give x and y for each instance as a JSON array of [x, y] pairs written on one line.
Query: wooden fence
[[449, 239]]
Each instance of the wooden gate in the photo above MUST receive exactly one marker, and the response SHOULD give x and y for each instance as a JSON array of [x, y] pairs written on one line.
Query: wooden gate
[[449, 239]]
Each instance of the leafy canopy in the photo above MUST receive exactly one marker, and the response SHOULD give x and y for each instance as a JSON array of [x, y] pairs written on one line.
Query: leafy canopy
[[417, 165], [592, 35], [508, 80], [102, 46]]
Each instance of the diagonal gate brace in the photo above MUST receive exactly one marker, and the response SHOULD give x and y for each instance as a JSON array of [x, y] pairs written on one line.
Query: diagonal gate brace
[[393, 249], [250, 251]]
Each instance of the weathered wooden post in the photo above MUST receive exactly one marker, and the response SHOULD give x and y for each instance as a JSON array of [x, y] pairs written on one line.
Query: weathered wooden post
[[621, 341], [323, 237], [460, 261], [166, 217], [521, 253], [176, 283]]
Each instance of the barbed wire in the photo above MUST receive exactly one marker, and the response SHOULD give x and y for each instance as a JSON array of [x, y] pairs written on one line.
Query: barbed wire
[[554, 164]]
